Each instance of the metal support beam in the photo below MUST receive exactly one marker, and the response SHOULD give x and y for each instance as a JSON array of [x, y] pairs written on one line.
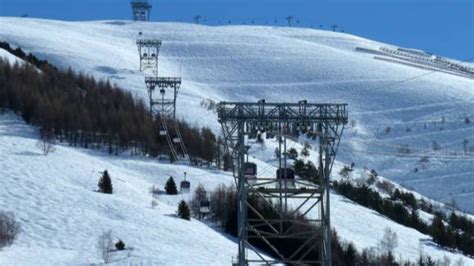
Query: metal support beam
[[140, 10], [149, 50], [327, 122], [163, 105]]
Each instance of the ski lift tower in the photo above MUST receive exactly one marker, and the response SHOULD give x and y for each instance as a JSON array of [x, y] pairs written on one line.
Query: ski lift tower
[[163, 104], [148, 50], [309, 199], [141, 10]]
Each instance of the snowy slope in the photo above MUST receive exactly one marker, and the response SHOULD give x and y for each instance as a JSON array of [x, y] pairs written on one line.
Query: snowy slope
[[61, 216], [219, 63], [11, 59], [53, 198], [254, 62]]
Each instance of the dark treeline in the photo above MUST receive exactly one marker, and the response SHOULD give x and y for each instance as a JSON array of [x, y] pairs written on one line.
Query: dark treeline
[[457, 233], [91, 114], [224, 213]]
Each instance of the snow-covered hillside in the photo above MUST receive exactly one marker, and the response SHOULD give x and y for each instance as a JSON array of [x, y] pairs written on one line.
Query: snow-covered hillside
[[62, 217], [254, 62], [11, 59], [225, 63]]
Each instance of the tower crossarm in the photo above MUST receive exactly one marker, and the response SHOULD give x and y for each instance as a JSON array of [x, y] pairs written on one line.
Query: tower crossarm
[[264, 113], [149, 43], [163, 82], [140, 4]]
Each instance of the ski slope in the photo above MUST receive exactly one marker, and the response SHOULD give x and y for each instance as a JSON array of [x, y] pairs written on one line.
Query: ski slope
[[224, 63], [54, 199], [248, 63]]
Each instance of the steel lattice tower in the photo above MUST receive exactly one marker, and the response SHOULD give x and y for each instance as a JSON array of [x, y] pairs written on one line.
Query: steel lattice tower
[[163, 105], [141, 10], [309, 197], [149, 50]]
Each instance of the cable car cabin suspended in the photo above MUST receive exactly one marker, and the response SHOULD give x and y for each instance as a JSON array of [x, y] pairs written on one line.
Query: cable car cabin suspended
[[176, 140], [205, 206], [250, 172], [162, 132], [286, 177], [185, 186]]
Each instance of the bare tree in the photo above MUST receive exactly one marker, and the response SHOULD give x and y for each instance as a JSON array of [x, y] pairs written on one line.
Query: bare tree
[[199, 195], [47, 141], [105, 246], [389, 241], [9, 229]]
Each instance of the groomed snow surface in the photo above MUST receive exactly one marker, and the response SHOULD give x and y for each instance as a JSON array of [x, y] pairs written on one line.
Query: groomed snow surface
[[53, 197]]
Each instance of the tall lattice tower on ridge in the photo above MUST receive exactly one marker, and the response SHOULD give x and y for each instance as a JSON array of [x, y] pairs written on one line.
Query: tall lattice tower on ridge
[[141, 10]]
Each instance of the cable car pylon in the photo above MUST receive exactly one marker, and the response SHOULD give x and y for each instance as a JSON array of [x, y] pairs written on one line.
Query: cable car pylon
[[164, 105]]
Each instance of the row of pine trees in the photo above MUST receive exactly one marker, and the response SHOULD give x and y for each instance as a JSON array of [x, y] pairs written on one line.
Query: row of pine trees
[[77, 109]]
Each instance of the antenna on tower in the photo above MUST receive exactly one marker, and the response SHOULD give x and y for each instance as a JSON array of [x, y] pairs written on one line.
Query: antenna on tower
[[289, 18], [140, 10], [197, 18]]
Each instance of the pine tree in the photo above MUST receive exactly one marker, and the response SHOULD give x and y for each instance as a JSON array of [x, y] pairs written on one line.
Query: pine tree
[[170, 187], [183, 211], [438, 230], [350, 255], [120, 245], [292, 153], [105, 183]]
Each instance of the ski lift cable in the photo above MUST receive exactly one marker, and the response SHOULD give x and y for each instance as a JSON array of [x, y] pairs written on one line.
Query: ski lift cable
[[413, 155], [405, 80], [373, 142]]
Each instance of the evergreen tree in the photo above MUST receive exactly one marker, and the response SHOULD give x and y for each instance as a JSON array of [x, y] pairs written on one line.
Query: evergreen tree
[[350, 255], [120, 245], [438, 230], [300, 168], [292, 153], [105, 183], [183, 211], [170, 187]]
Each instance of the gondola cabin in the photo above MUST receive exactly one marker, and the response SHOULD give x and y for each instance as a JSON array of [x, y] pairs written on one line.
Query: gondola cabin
[[286, 177], [250, 172], [205, 206], [162, 132], [176, 140], [185, 186]]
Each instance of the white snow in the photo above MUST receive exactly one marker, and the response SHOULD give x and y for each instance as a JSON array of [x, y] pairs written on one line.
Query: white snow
[[255, 62], [62, 216], [228, 63], [8, 57]]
